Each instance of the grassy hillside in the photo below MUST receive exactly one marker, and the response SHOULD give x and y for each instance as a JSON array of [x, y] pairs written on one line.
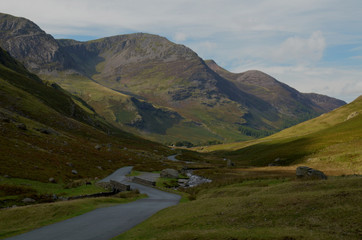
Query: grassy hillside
[[262, 209], [49, 133], [331, 140]]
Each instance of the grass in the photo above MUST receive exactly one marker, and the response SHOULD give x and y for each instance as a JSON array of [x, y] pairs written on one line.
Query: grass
[[263, 209], [14, 190], [14, 221]]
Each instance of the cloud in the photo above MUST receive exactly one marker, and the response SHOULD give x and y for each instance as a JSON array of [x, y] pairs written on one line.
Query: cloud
[[180, 37], [301, 50], [356, 57], [235, 33], [345, 84]]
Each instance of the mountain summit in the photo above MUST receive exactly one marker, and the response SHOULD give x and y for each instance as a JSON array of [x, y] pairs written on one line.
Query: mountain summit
[[161, 90]]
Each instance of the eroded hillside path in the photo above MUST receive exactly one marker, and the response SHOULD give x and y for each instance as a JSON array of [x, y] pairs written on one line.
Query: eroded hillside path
[[105, 223]]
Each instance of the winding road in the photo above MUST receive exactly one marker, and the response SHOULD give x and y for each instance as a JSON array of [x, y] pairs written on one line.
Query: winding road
[[106, 223]]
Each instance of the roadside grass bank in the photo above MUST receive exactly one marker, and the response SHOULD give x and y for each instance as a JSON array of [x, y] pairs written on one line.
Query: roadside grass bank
[[14, 221], [14, 190], [274, 208]]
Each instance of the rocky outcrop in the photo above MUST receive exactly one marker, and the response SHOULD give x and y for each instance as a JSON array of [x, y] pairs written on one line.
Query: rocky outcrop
[[26, 42], [352, 115], [304, 172], [169, 173]]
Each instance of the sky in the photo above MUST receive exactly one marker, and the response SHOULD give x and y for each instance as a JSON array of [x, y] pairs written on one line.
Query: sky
[[311, 45]]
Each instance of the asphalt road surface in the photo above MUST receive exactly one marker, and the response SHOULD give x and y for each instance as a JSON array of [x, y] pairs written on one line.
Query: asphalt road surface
[[105, 223]]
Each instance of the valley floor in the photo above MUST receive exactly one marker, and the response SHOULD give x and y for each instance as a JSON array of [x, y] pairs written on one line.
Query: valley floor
[[245, 206]]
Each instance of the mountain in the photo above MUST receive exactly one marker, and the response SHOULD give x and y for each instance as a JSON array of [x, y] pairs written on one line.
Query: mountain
[[284, 98], [163, 91], [46, 132], [330, 141]]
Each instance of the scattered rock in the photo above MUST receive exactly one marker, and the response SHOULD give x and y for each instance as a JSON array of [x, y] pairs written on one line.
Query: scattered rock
[[52, 180], [169, 173], [195, 180], [21, 126], [309, 173], [75, 172], [69, 164], [109, 161], [183, 182], [55, 197], [99, 167], [28, 200]]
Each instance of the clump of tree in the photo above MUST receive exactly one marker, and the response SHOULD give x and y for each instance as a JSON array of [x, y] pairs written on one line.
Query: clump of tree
[[184, 144], [257, 133]]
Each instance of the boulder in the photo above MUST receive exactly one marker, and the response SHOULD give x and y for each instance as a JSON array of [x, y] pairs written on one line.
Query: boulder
[[21, 126], [98, 147], [229, 163], [169, 173], [309, 173], [75, 172], [28, 200], [52, 180], [46, 131]]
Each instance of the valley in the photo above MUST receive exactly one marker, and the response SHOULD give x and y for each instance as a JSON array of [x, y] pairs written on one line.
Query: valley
[[73, 112]]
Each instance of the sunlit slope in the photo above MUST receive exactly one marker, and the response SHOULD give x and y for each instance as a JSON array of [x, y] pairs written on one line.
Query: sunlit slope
[[331, 140]]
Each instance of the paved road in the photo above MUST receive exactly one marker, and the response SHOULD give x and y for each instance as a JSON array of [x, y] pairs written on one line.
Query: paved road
[[105, 223]]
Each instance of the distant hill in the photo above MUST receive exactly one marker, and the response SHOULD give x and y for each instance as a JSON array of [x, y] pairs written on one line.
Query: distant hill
[[331, 140], [46, 132], [163, 91]]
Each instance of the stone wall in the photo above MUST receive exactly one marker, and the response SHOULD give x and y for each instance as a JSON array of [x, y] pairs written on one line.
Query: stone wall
[[144, 181], [114, 186], [120, 187]]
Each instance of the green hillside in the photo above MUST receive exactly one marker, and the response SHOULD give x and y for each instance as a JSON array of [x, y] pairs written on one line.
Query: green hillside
[[332, 140], [50, 133]]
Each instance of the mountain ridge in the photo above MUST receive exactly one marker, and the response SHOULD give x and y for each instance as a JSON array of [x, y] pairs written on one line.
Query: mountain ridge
[[213, 104]]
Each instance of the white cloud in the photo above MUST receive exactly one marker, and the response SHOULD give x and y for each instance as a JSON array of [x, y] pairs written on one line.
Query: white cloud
[[235, 33], [180, 37], [301, 50], [345, 84]]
